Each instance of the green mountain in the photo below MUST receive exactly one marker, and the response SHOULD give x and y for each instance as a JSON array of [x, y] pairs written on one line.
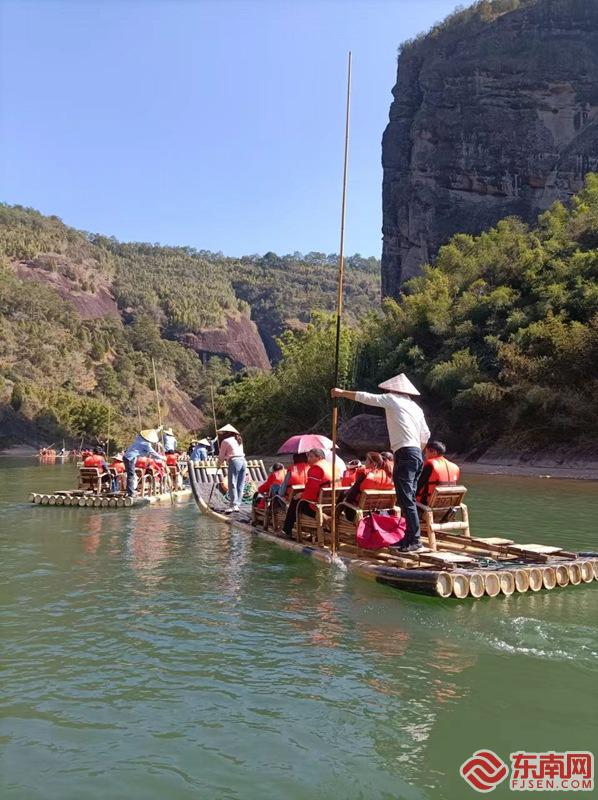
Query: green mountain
[[82, 316]]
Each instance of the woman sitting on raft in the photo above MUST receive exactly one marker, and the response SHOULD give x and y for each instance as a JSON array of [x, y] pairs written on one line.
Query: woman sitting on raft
[[274, 479], [350, 474], [375, 474]]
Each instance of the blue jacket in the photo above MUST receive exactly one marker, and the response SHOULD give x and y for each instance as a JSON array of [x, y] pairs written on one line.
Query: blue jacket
[[169, 442], [141, 447], [199, 453]]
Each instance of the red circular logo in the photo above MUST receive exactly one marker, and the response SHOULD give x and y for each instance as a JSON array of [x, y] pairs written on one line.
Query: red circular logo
[[484, 771]]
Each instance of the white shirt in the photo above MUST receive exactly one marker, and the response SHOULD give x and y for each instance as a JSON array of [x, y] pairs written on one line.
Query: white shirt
[[404, 418]]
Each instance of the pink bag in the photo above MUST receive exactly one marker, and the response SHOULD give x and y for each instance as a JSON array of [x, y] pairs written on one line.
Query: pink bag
[[377, 530]]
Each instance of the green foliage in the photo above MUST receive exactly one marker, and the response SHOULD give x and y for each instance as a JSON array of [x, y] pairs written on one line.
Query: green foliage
[[502, 332]]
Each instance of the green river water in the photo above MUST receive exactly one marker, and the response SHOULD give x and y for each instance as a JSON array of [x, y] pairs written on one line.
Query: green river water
[[152, 653]]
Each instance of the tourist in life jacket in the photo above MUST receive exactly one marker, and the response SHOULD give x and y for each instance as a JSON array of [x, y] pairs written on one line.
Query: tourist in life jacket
[[319, 474], [141, 447], [409, 434], [274, 480], [350, 473], [117, 471], [437, 471], [168, 439], [375, 474], [97, 460], [296, 475], [231, 452]]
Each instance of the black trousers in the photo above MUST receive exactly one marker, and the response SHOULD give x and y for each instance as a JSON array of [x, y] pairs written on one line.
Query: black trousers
[[291, 517], [408, 466]]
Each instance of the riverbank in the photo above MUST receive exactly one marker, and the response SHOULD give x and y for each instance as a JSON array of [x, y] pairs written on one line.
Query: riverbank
[[530, 471]]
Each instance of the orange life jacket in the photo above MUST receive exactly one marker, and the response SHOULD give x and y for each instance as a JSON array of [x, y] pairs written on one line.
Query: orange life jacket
[[444, 473], [273, 479], [172, 460], [297, 476], [318, 475], [118, 467], [376, 479], [141, 462], [94, 461]]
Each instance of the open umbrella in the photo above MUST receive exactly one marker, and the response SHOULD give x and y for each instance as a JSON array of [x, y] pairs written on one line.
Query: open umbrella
[[305, 442]]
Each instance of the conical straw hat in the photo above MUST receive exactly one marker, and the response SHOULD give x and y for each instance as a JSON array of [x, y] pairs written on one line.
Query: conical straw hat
[[227, 429], [168, 431], [204, 441], [150, 435], [400, 383]]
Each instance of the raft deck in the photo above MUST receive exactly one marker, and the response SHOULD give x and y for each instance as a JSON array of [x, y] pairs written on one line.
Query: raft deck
[[460, 567], [81, 499]]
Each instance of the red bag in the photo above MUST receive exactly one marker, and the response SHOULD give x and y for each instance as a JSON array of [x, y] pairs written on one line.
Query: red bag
[[377, 530]]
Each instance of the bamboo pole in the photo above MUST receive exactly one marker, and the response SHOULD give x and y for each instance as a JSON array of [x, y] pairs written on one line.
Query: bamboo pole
[[507, 582], [339, 310], [477, 585], [574, 574], [491, 584], [460, 585], [214, 411], [535, 578], [160, 421], [108, 437], [562, 575], [521, 580], [549, 577], [587, 571]]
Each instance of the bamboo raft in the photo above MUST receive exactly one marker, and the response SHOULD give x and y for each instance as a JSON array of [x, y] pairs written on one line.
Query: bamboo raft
[[80, 499], [460, 566]]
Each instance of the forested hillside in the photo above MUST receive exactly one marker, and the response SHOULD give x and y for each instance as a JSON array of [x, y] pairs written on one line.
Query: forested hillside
[[500, 334], [82, 315]]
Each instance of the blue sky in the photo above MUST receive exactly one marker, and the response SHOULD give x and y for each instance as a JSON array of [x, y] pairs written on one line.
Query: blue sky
[[213, 124]]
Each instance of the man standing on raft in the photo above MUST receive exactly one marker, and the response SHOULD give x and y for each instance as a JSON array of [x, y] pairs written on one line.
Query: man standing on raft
[[409, 434]]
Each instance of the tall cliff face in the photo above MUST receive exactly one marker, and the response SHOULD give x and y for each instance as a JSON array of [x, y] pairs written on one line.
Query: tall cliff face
[[494, 114]]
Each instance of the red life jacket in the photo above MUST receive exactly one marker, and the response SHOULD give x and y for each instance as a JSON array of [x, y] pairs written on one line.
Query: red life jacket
[[444, 473], [318, 475], [273, 479], [376, 479], [349, 476], [172, 460], [142, 462], [118, 467], [94, 461], [297, 476]]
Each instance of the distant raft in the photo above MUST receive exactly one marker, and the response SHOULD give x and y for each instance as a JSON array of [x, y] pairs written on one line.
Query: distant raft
[[79, 499], [453, 564]]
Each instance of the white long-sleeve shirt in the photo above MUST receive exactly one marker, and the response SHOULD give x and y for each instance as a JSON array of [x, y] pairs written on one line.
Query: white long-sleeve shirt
[[405, 420]]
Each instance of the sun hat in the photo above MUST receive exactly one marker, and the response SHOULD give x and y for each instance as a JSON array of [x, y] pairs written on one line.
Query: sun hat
[[150, 435], [227, 429], [400, 383]]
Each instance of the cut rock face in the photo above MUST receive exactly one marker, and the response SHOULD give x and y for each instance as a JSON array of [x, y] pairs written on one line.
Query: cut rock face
[[491, 118]]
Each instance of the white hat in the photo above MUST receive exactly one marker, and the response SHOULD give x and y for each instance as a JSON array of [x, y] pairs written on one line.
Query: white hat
[[227, 429], [204, 441], [168, 431], [150, 435], [400, 383]]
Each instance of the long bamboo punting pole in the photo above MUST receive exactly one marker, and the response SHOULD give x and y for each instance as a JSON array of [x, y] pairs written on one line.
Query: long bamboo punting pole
[[160, 417], [108, 437], [214, 411], [339, 310]]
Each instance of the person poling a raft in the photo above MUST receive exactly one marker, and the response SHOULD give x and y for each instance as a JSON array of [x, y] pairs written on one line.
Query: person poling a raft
[[141, 446], [231, 452], [409, 434]]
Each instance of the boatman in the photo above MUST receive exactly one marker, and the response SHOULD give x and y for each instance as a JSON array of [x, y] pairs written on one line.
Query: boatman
[[142, 446], [169, 439], [409, 434]]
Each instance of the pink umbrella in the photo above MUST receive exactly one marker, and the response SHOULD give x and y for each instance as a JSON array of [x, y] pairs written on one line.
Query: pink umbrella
[[305, 442]]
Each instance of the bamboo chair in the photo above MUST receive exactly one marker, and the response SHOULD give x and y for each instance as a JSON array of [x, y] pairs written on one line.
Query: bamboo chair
[[444, 503], [121, 479], [279, 506], [313, 527], [369, 500], [90, 479], [146, 483], [261, 516]]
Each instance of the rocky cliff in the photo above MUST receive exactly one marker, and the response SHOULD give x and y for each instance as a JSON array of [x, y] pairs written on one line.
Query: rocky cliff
[[495, 113]]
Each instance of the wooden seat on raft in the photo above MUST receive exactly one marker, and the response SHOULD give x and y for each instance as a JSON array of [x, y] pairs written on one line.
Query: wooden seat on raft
[[90, 479], [444, 512], [146, 483], [278, 507], [312, 528], [120, 477], [261, 516], [368, 500]]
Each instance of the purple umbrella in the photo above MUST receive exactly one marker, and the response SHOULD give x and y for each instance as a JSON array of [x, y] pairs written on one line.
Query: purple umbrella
[[305, 442]]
